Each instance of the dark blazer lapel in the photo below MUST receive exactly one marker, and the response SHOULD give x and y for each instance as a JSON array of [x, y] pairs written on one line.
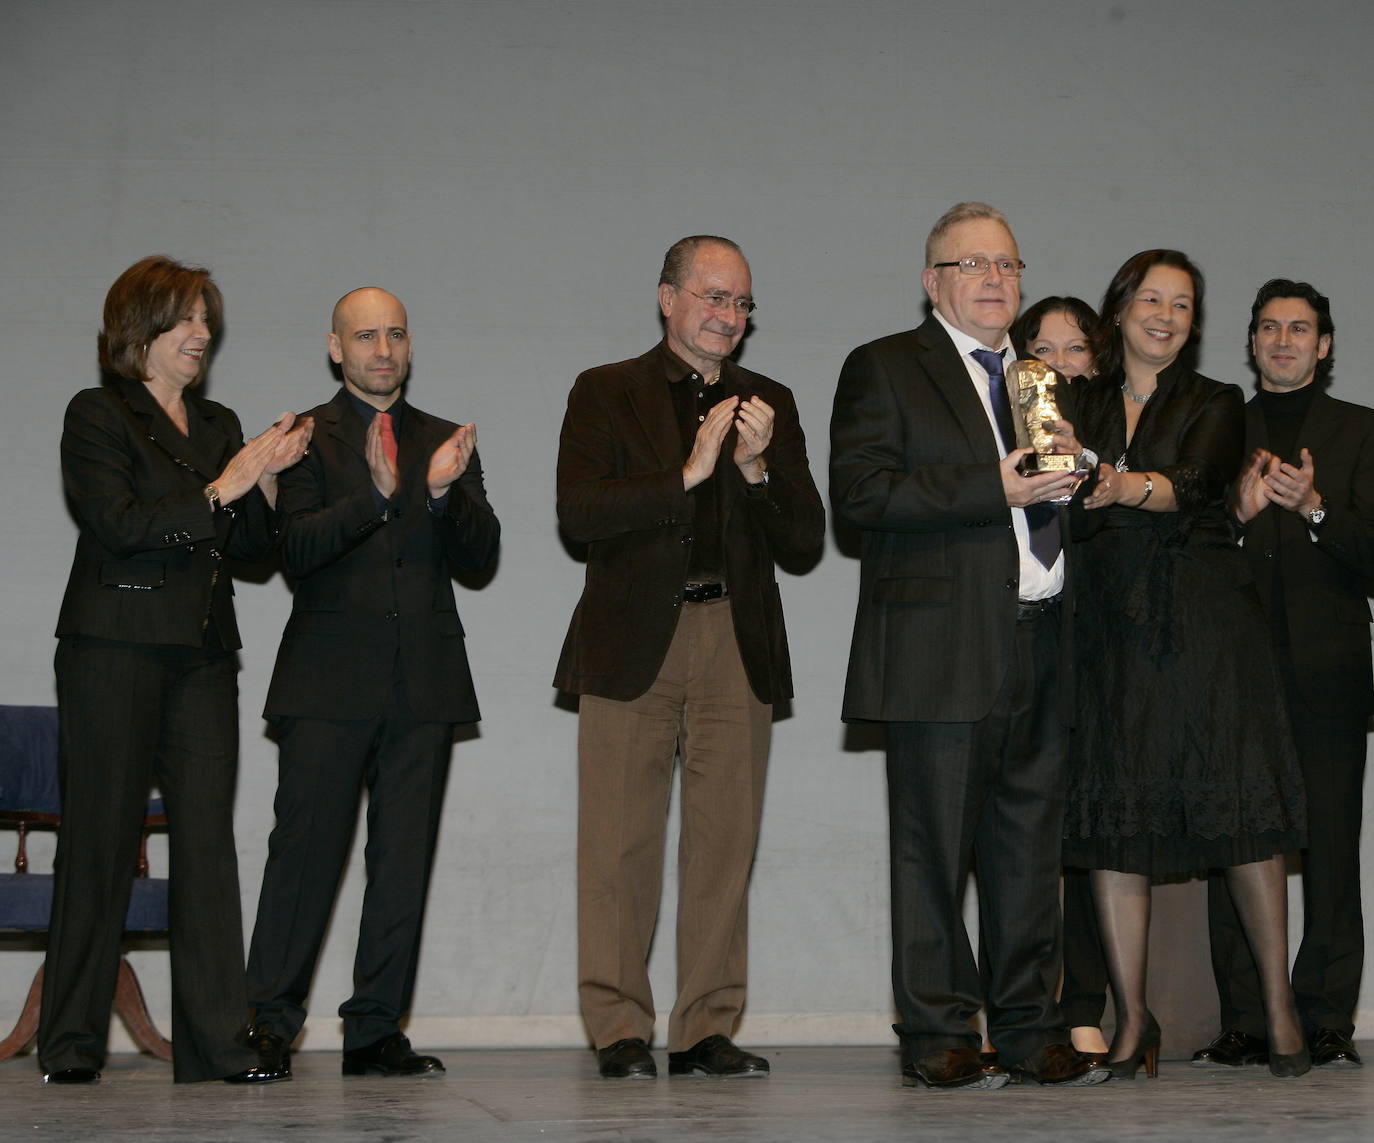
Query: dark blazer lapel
[[201, 455], [941, 362], [413, 444], [653, 407], [344, 427], [1323, 421]]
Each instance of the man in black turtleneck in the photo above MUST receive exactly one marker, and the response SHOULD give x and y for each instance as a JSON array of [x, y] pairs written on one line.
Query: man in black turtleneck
[[1306, 504]]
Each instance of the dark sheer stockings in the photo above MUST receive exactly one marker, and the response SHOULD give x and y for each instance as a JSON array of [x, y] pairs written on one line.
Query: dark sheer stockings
[[1260, 892], [1123, 915]]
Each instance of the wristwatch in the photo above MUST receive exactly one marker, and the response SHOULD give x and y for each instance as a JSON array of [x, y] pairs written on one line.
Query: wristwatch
[[1317, 516], [211, 494]]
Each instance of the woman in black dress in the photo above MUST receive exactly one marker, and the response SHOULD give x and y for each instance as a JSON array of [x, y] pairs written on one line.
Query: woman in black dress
[[1182, 758]]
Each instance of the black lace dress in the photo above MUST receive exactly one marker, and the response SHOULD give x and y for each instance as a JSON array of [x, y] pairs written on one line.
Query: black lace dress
[[1182, 758]]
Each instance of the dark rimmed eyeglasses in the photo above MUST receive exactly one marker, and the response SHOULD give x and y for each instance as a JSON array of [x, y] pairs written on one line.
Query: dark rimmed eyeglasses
[[977, 267]]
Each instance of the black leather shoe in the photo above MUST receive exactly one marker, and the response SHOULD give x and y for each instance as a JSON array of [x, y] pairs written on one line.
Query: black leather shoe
[[73, 1075], [390, 1057], [626, 1059], [274, 1057], [954, 1067], [716, 1056], [1330, 1049], [1232, 1049], [1059, 1065]]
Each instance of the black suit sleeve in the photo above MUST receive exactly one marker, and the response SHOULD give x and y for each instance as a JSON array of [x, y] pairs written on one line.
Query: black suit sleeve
[[317, 534], [471, 532], [1347, 534], [874, 485]]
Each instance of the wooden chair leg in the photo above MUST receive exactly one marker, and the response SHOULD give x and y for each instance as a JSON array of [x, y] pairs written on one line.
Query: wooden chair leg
[[130, 1006], [26, 1027]]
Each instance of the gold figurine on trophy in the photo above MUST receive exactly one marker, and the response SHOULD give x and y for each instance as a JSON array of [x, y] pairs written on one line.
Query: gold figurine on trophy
[[1036, 389]]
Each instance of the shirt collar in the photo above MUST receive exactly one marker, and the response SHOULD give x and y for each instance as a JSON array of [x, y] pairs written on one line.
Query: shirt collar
[[966, 344]]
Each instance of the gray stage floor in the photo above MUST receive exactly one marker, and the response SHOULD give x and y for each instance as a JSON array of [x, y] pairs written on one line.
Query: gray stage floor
[[850, 1094]]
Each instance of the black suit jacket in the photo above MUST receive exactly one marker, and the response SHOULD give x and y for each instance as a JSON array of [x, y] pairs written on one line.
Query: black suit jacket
[[914, 464], [620, 492], [373, 591], [1324, 583], [148, 566]]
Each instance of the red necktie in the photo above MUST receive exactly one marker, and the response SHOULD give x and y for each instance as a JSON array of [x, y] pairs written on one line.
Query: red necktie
[[388, 437]]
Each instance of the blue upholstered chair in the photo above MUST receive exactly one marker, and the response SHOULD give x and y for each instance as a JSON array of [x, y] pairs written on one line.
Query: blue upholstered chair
[[29, 800]]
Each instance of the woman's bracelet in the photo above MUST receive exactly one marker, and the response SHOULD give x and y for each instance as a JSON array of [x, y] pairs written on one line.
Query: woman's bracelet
[[1149, 491]]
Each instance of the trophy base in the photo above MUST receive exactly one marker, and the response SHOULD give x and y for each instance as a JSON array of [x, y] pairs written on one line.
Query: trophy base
[[1042, 463]]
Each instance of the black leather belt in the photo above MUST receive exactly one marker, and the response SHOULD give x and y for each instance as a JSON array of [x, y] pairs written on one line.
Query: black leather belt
[[1027, 609], [702, 592]]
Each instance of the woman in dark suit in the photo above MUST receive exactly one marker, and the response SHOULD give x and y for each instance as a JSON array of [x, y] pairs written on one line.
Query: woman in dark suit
[[163, 488], [1182, 759]]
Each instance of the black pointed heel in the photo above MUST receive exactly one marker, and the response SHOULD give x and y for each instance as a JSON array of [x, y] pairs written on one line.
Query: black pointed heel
[[1147, 1053]]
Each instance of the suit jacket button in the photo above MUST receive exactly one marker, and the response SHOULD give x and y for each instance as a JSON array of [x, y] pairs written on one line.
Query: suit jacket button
[[400, 563], [1010, 584], [686, 539], [391, 615]]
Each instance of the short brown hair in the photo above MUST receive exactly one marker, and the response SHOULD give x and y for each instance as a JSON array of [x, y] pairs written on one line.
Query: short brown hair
[[960, 212], [678, 261], [147, 300]]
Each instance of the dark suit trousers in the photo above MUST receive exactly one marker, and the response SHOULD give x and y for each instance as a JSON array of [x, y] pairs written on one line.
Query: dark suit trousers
[[1326, 971], [324, 764], [992, 792], [702, 707], [130, 715]]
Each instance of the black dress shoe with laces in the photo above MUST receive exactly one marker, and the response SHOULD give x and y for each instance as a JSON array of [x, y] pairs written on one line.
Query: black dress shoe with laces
[[716, 1056], [626, 1059], [391, 1056], [274, 1058], [1232, 1049], [1058, 1065], [72, 1075], [1331, 1049]]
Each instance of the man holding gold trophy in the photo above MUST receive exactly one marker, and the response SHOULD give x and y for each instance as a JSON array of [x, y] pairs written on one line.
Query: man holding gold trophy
[[960, 646]]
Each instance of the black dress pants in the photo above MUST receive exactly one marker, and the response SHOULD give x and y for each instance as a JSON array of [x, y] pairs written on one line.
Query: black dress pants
[[1326, 971], [993, 791], [324, 765], [129, 715]]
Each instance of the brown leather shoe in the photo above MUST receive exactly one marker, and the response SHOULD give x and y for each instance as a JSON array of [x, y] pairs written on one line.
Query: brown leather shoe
[[951, 1068], [1058, 1064]]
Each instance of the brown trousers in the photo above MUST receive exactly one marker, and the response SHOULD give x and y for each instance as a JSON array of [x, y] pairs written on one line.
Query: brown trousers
[[702, 709]]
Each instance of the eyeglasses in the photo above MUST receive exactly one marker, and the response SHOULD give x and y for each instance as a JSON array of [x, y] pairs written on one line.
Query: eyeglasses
[[977, 267], [719, 301]]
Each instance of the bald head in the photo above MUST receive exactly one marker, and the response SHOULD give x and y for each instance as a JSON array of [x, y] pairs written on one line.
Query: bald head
[[360, 299], [370, 341]]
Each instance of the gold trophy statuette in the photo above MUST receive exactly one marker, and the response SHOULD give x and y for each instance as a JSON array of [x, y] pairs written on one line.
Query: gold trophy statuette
[[1036, 384]]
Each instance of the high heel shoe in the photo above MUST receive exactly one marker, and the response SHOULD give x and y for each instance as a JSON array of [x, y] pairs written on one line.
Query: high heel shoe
[[1146, 1052], [1299, 1063]]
